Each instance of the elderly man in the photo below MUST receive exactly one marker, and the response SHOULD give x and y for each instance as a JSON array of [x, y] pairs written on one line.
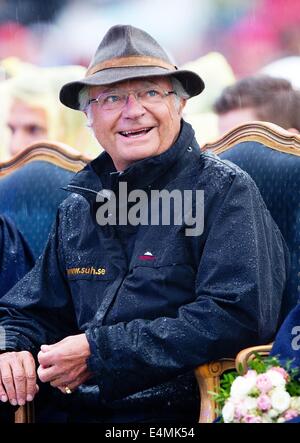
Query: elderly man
[[127, 300]]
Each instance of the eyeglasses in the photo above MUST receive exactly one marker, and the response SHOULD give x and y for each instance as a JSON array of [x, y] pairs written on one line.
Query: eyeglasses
[[116, 100]]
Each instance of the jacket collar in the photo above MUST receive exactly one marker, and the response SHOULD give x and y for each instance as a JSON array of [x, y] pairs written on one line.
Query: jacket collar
[[101, 173]]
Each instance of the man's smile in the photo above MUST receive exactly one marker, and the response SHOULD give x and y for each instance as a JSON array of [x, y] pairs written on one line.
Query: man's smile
[[135, 133]]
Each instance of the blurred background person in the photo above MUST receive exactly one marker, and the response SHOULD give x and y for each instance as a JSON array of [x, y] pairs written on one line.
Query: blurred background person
[[34, 112], [217, 74], [262, 98]]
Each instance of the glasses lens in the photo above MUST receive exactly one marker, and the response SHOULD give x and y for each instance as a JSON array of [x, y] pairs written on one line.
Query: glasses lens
[[149, 96], [112, 101]]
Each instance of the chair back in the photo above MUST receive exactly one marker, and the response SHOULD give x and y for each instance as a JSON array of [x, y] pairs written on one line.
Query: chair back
[[271, 156], [31, 188]]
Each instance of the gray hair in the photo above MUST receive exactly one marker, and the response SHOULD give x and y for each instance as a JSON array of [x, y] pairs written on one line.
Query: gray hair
[[179, 89], [84, 97]]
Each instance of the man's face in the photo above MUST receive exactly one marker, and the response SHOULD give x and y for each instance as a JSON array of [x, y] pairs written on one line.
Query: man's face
[[27, 125], [153, 128], [236, 117]]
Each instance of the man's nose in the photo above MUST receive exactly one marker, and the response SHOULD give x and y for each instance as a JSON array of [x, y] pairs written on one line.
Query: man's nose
[[133, 108]]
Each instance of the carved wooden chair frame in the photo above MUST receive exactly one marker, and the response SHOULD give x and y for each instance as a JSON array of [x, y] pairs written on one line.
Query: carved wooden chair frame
[[266, 133], [56, 153]]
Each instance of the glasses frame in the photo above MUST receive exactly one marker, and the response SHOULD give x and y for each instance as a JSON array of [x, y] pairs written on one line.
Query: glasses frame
[[127, 94]]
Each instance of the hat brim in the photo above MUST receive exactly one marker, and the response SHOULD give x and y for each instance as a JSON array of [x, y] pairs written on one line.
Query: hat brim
[[192, 82]]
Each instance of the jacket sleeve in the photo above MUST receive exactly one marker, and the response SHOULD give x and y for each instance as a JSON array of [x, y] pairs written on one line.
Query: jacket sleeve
[[16, 258], [237, 303], [38, 309]]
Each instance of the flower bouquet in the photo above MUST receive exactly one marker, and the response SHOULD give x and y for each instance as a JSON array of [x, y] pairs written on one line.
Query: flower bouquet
[[267, 393]]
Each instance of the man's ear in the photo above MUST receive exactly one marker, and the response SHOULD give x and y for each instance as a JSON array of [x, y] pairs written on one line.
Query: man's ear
[[181, 105]]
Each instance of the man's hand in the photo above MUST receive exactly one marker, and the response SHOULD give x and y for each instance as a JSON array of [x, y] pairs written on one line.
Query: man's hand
[[17, 377], [63, 364]]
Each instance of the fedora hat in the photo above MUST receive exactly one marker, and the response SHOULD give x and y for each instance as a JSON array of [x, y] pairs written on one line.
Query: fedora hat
[[127, 53]]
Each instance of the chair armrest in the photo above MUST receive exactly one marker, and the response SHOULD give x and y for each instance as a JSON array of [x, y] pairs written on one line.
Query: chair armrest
[[25, 414], [243, 357], [208, 378]]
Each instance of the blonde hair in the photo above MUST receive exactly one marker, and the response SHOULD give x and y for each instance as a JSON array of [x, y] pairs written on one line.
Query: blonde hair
[[39, 88]]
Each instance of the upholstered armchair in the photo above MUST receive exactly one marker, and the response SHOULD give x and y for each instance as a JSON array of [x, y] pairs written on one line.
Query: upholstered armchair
[[30, 193], [30, 188], [271, 156]]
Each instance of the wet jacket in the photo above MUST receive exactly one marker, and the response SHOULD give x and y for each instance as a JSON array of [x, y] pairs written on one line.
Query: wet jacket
[[15, 255], [151, 321]]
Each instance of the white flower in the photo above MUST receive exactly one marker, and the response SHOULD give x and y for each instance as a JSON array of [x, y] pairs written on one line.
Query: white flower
[[266, 418], [228, 412], [276, 378], [272, 413], [241, 386], [250, 373], [280, 399], [295, 403], [250, 403]]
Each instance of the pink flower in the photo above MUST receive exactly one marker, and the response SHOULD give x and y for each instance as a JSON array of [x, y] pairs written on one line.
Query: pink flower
[[252, 419], [281, 371], [264, 402], [263, 383], [290, 413], [240, 411]]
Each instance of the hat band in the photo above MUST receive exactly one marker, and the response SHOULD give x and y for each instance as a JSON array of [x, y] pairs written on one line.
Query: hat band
[[131, 61]]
